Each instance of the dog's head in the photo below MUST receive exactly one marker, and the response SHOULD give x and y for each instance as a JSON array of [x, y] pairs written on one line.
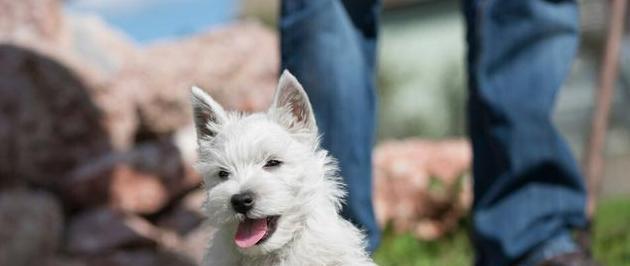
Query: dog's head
[[264, 172]]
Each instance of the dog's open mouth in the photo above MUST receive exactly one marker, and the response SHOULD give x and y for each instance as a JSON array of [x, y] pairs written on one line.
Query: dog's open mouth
[[252, 232]]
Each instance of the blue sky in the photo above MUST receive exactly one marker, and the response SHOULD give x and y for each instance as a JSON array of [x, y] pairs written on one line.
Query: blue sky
[[151, 20]]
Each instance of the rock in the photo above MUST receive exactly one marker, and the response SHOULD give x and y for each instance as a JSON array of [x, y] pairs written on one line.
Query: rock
[[141, 257], [107, 125], [421, 186], [237, 64], [97, 43], [142, 180], [137, 191], [165, 161], [125, 257], [194, 244], [187, 220], [186, 215], [115, 95], [92, 42], [61, 260], [53, 124], [89, 185], [103, 230], [164, 157], [31, 224], [180, 220], [84, 44], [30, 19]]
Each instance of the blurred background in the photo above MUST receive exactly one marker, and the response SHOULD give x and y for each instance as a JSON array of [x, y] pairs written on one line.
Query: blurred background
[[96, 140]]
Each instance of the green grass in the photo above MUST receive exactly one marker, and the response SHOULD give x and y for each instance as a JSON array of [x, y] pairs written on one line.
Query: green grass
[[611, 244], [403, 250], [612, 232]]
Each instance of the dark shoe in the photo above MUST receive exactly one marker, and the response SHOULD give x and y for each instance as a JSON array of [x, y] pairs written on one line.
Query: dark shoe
[[578, 258]]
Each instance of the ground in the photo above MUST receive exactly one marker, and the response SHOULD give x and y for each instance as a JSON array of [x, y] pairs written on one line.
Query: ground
[[611, 246]]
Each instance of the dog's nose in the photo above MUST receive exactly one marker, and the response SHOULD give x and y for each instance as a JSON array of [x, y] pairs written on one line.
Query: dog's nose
[[243, 202]]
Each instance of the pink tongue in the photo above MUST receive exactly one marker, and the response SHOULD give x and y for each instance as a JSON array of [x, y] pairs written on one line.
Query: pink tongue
[[250, 231]]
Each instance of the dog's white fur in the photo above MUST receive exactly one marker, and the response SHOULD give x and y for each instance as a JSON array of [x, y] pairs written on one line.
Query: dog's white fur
[[304, 190]]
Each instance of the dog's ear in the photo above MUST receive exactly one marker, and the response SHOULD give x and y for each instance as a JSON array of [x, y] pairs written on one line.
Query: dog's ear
[[207, 113], [291, 97]]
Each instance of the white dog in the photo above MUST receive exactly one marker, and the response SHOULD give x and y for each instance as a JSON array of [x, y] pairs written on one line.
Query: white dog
[[272, 192]]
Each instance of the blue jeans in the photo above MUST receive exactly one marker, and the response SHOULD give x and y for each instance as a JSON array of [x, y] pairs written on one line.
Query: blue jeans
[[333, 54], [529, 193]]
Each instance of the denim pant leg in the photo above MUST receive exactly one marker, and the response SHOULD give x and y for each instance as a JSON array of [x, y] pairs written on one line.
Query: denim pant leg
[[528, 189], [329, 45]]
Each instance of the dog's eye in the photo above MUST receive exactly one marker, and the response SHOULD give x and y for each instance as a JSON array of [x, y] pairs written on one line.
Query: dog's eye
[[223, 174], [272, 163]]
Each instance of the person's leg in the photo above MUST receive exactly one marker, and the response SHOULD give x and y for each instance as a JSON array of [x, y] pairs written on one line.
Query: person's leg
[[330, 46], [529, 193]]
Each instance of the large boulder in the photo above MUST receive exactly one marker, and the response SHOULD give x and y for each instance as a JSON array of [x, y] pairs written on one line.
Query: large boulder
[[237, 65], [107, 126], [31, 225], [143, 180], [140, 257], [194, 244], [103, 230], [49, 122], [30, 19], [89, 42], [83, 44], [185, 215], [92, 91]]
